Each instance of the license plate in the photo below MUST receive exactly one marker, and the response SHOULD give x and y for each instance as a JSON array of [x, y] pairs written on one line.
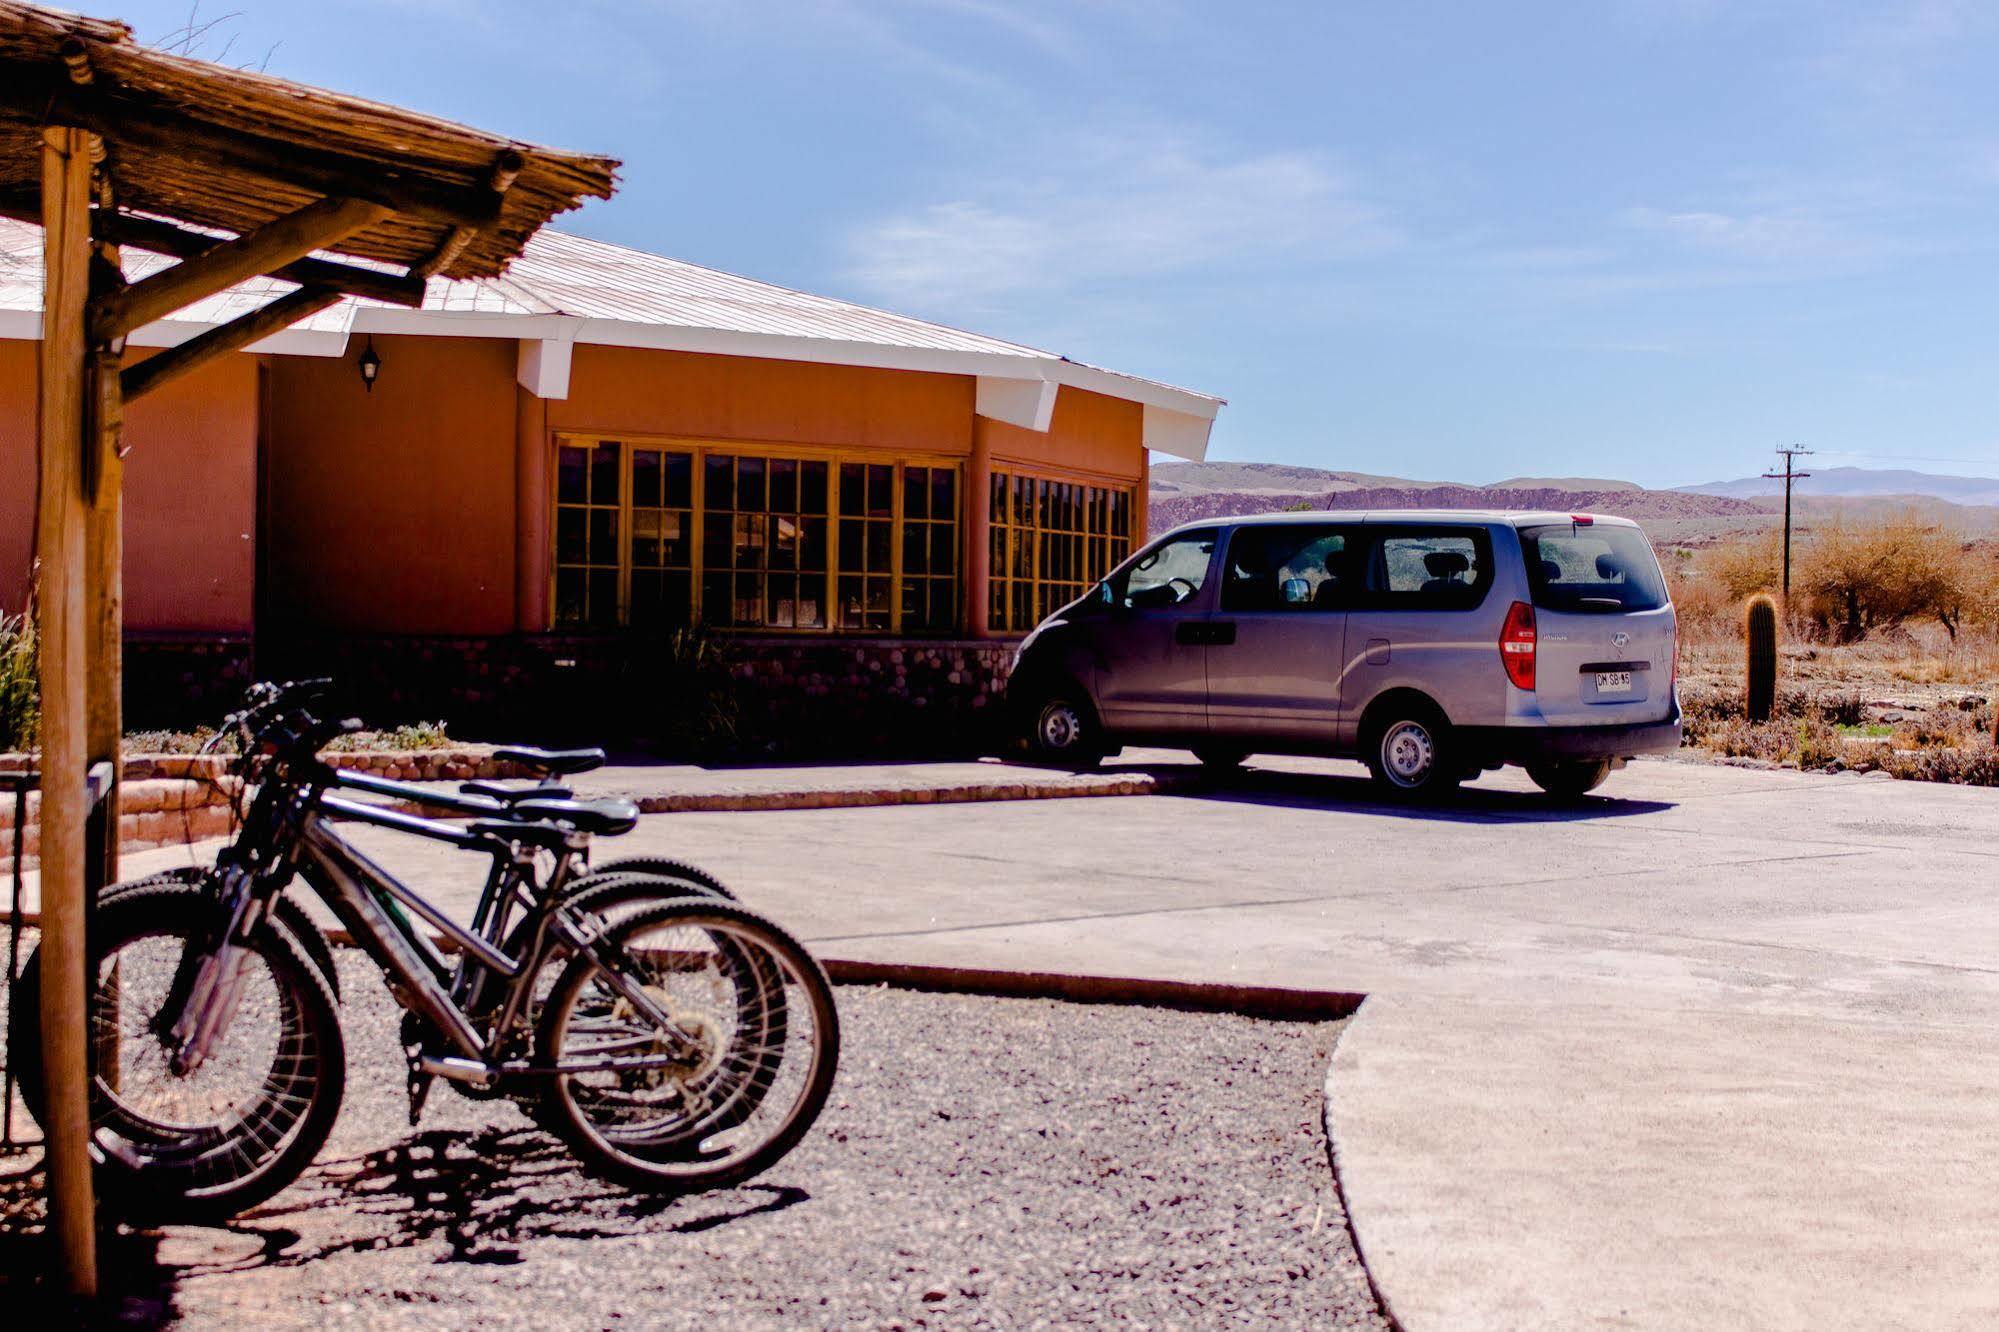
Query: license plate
[[1613, 682]]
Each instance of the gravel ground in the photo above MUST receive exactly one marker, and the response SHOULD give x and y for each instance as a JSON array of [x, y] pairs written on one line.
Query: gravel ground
[[983, 1163]]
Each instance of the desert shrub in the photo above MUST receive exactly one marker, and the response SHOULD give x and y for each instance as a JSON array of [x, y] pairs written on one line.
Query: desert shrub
[[410, 736], [1968, 767], [1740, 569], [1852, 579], [1818, 743], [20, 689]]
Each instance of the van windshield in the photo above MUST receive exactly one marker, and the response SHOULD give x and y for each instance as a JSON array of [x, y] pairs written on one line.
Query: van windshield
[[1600, 567]]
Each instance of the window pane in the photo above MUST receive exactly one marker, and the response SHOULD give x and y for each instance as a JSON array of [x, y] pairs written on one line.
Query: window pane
[[853, 488], [603, 598], [943, 492], [812, 487], [878, 549], [749, 540], [569, 596], [715, 605], [783, 485], [943, 559], [750, 483], [604, 474], [915, 492], [719, 476], [1169, 575], [603, 538], [645, 537], [915, 548], [943, 605], [881, 490], [645, 478], [850, 602], [783, 602], [812, 543], [717, 544], [811, 613], [749, 599], [783, 542], [679, 481], [571, 536], [851, 537], [912, 603], [674, 547], [572, 484], [645, 598], [996, 499], [675, 606]]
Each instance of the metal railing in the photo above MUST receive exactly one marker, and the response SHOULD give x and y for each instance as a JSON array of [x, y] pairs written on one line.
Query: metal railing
[[97, 844]]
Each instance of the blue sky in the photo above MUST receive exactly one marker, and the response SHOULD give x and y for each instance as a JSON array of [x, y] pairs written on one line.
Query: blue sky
[[1649, 239]]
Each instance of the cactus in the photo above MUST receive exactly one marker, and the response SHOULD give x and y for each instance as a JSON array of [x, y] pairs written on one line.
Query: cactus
[[1759, 640]]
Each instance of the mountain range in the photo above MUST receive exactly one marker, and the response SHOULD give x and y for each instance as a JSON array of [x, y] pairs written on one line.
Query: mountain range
[[1182, 492]]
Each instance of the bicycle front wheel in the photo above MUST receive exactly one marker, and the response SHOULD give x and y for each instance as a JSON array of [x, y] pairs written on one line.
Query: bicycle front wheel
[[734, 1079], [210, 1142]]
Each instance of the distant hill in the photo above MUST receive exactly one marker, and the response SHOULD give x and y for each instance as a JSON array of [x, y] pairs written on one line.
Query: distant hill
[[1182, 492], [1870, 482]]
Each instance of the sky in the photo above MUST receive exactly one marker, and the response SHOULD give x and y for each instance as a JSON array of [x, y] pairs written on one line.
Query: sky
[[1643, 239]]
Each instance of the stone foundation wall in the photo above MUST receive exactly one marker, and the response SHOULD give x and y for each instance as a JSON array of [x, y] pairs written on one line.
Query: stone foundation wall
[[793, 696], [179, 681]]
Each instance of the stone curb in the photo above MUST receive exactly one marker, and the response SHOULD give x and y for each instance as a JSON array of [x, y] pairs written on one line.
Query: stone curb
[[691, 802], [1263, 1001]]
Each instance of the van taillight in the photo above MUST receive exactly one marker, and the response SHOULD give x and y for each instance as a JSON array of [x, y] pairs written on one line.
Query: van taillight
[[1516, 645]]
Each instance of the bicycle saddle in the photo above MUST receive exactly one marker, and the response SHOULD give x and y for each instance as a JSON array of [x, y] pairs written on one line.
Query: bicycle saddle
[[546, 822], [510, 795], [561, 762]]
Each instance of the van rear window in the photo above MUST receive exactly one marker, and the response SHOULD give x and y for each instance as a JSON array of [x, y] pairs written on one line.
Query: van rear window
[[1602, 568]]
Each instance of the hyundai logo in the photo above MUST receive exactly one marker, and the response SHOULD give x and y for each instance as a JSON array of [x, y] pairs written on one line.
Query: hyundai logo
[[1620, 639]]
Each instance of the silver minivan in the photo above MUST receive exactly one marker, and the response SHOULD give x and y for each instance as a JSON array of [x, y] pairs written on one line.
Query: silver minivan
[[1430, 644]]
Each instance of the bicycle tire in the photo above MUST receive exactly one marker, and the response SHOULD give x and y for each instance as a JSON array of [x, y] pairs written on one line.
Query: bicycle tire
[[152, 1170], [288, 911], [674, 1161]]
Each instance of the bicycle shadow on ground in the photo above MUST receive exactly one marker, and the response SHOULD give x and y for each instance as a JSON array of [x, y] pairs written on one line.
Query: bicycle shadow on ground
[[1469, 804], [478, 1196]]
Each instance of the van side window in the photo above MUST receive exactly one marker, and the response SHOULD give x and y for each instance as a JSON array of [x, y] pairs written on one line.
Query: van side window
[[1169, 575], [1435, 569], [1288, 568]]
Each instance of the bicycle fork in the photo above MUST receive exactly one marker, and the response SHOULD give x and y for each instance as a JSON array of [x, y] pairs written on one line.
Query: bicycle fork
[[217, 989]]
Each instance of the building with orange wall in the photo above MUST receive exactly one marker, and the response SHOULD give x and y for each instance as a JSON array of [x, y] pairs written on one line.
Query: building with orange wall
[[596, 448]]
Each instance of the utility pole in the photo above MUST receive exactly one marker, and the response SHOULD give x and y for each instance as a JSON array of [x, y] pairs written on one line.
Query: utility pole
[[1787, 476]]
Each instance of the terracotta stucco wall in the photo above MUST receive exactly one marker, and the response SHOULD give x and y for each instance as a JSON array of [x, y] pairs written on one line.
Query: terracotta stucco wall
[[190, 495], [613, 389], [393, 511]]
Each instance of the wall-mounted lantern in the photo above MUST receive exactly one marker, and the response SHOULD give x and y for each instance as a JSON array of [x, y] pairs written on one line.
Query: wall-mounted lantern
[[371, 364]]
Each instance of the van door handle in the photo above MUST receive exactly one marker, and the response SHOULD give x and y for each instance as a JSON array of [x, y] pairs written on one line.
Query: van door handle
[[1221, 633], [1190, 633]]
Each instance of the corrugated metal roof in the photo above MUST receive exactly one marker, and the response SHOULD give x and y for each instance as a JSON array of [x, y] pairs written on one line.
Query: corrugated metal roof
[[571, 276]]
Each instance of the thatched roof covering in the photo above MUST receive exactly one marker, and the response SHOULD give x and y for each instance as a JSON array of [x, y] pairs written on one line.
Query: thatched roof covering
[[233, 149]]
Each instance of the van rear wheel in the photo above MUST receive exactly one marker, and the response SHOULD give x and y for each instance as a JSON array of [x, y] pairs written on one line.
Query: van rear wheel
[[1411, 755], [1570, 779]]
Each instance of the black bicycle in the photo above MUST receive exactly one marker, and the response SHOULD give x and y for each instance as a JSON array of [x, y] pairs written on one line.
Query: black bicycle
[[675, 1039]]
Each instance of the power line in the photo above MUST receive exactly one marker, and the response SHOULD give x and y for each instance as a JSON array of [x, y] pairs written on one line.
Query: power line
[[1788, 476]]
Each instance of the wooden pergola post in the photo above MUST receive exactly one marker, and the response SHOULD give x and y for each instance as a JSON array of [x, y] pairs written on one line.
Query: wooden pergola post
[[66, 618]]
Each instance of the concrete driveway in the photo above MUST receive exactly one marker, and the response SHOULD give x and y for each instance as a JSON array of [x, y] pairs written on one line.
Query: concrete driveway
[[1716, 1049]]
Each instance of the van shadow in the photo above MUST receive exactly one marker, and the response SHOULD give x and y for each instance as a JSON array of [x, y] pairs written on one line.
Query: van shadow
[[1470, 804], [479, 1196]]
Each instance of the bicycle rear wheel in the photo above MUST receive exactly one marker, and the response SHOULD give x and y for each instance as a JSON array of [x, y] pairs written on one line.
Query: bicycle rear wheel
[[755, 1036], [206, 1144]]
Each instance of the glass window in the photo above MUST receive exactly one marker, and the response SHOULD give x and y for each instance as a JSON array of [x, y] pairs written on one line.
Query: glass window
[[1169, 575], [774, 542], [1434, 569], [1288, 568], [1051, 541], [1592, 568]]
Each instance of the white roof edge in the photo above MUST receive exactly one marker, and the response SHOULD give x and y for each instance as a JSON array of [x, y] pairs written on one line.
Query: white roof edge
[[386, 319]]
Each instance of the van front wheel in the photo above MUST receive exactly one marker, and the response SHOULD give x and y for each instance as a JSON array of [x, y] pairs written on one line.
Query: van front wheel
[[1063, 732]]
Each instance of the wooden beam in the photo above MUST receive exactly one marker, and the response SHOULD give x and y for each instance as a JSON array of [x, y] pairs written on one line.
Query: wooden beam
[[506, 169], [282, 313], [147, 233], [270, 246], [161, 237], [61, 540], [130, 119]]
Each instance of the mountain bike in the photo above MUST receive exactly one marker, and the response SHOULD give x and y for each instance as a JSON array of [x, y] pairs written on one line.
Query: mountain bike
[[675, 1041]]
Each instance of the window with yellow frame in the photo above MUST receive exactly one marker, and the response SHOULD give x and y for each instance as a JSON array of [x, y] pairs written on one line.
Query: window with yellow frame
[[1051, 539], [652, 534]]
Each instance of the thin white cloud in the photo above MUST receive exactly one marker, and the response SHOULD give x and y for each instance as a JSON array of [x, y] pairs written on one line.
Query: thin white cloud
[[1116, 210], [1782, 237]]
